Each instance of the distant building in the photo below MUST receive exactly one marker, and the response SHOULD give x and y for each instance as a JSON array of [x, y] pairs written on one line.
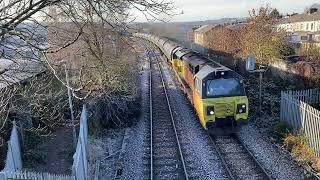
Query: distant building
[[303, 29], [225, 40], [201, 35], [301, 23], [191, 34], [237, 27]]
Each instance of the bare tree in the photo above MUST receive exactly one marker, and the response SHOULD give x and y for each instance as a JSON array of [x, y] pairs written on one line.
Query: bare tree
[[91, 36]]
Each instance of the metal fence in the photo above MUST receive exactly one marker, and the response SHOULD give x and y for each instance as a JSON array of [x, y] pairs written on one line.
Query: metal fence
[[18, 175], [310, 96], [80, 163], [13, 165], [301, 116], [13, 160]]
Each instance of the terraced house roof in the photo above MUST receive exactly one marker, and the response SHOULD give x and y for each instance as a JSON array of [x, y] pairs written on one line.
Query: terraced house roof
[[301, 18], [203, 29]]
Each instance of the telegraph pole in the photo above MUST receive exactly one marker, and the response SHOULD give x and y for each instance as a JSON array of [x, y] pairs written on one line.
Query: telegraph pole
[[250, 67], [71, 107]]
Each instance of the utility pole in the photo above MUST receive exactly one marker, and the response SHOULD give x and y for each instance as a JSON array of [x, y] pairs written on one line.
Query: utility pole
[[71, 108], [250, 67], [260, 71]]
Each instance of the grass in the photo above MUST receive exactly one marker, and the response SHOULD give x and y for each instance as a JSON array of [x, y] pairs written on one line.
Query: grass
[[299, 147]]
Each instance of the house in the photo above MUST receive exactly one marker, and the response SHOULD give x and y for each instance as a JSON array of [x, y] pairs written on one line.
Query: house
[[301, 23], [201, 35], [303, 29], [225, 40]]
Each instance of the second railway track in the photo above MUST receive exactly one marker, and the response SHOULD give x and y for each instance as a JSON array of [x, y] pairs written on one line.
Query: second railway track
[[166, 157]]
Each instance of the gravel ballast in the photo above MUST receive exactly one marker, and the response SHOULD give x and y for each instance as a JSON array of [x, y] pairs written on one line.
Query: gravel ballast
[[135, 165], [276, 162], [201, 158]]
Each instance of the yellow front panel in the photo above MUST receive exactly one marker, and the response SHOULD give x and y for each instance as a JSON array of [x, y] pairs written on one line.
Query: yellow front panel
[[223, 107]]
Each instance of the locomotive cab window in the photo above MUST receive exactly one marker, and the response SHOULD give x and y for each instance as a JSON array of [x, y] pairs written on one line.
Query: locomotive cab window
[[174, 56], [196, 69], [224, 88]]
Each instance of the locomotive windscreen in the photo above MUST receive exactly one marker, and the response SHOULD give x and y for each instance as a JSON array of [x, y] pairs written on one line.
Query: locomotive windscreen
[[224, 88]]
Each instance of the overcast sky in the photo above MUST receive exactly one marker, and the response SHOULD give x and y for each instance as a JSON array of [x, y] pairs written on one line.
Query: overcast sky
[[195, 10]]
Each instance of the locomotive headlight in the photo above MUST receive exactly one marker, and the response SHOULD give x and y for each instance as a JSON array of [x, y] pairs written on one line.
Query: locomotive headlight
[[241, 108], [210, 110]]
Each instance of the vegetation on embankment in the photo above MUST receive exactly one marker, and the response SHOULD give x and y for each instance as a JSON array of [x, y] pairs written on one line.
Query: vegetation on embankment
[[298, 146]]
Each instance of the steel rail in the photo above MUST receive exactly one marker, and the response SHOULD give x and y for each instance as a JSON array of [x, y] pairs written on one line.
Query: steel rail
[[254, 158], [171, 116], [151, 119], [224, 161]]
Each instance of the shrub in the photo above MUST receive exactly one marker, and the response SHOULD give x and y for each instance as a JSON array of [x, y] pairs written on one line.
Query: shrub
[[282, 129], [299, 147]]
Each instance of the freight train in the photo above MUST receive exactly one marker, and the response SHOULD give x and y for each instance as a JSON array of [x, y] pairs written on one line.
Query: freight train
[[216, 92]]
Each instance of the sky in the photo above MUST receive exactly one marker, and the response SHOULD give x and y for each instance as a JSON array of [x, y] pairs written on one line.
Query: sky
[[199, 10]]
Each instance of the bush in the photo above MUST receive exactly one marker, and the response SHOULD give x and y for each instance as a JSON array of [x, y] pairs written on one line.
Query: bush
[[299, 147], [282, 129], [113, 112], [31, 154]]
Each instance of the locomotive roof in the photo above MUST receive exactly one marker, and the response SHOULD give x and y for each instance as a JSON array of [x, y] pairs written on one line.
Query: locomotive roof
[[183, 52], [193, 59], [210, 68], [177, 49], [171, 44]]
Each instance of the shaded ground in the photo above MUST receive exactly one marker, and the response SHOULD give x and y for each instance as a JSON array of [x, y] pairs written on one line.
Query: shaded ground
[[51, 154]]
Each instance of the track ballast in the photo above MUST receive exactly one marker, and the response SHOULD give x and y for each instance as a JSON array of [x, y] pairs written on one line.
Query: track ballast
[[237, 159], [166, 157]]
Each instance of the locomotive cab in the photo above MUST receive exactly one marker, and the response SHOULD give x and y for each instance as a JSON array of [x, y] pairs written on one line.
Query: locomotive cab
[[219, 97]]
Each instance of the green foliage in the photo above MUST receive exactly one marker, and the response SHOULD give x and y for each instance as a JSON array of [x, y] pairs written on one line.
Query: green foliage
[[285, 49], [275, 14], [32, 155], [259, 39], [282, 129]]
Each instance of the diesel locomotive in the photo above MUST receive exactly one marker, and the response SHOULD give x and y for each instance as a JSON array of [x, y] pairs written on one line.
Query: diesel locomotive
[[216, 92]]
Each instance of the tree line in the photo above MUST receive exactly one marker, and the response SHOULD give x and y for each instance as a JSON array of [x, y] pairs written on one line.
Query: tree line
[[257, 36]]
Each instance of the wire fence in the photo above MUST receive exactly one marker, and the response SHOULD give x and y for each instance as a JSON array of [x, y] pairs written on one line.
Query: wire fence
[[301, 116], [13, 164]]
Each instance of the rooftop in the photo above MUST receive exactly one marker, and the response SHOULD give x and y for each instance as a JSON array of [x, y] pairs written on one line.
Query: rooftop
[[13, 72], [301, 18], [204, 29]]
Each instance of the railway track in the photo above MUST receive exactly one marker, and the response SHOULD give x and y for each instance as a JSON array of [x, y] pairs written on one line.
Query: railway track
[[239, 162], [166, 157]]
